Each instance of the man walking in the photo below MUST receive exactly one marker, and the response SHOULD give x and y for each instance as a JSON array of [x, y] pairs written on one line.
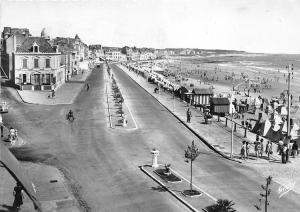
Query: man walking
[[188, 115], [18, 193]]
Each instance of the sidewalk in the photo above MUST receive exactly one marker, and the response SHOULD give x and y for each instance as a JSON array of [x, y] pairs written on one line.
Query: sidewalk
[[218, 137], [65, 94], [50, 187]]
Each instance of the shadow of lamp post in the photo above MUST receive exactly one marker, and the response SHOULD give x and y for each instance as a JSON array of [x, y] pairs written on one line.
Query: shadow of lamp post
[[191, 153]]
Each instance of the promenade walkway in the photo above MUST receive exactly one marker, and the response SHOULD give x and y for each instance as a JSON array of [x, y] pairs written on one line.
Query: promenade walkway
[[218, 136]]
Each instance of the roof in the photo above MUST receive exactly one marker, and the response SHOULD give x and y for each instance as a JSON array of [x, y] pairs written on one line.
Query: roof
[[204, 91], [44, 45], [220, 101]]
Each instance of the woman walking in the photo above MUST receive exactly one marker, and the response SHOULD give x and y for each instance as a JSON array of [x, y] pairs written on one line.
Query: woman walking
[[243, 150], [18, 193], [269, 149], [247, 149]]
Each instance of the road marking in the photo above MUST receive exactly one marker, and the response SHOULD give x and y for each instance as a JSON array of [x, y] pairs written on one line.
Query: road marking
[[207, 194], [135, 128]]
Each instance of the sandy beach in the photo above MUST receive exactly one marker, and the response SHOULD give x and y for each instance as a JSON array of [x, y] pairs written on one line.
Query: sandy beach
[[226, 72]]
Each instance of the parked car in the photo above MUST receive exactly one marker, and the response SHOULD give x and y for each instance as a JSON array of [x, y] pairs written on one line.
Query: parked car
[[3, 107]]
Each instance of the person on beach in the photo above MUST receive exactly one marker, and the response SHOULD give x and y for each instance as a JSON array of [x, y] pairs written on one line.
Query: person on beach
[[269, 149], [18, 194], [188, 115]]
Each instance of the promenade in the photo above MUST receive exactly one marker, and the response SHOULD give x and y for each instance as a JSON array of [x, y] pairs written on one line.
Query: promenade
[[218, 136]]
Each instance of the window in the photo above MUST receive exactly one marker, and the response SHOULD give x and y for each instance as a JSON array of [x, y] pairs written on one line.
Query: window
[[47, 63], [24, 63], [36, 63], [35, 49]]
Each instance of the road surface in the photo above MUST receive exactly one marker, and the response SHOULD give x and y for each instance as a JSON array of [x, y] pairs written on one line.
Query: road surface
[[101, 164]]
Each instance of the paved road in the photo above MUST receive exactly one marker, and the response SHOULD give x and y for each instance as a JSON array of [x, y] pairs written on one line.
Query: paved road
[[102, 164]]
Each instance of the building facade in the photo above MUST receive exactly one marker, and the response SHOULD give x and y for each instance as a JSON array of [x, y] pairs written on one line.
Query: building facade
[[37, 65]]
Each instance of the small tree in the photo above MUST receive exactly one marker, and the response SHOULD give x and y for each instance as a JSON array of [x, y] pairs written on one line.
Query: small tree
[[222, 205], [265, 194], [191, 153]]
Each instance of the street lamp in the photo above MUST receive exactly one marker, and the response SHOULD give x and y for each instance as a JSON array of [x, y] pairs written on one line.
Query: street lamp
[[290, 68]]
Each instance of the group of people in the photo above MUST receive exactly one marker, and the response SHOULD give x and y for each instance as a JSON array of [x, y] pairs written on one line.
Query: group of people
[[285, 149], [258, 149]]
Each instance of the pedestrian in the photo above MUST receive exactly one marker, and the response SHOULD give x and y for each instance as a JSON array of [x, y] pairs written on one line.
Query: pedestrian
[[269, 149], [52, 93], [1, 125], [188, 115], [256, 146], [287, 141], [280, 147], [247, 149], [283, 154], [243, 150], [261, 148], [295, 149], [18, 194]]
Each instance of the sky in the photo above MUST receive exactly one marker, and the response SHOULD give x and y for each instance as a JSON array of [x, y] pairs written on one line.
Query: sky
[[268, 26]]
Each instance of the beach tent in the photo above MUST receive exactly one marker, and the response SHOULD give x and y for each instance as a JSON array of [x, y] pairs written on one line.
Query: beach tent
[[295, 133], [266, 127], [282, 110]]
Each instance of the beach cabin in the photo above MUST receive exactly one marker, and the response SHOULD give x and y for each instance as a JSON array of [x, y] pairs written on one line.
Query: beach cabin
[[181, 91], [201, 96], [219, 106]]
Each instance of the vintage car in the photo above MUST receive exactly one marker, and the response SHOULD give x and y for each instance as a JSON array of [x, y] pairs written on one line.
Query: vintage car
[[3, 107]]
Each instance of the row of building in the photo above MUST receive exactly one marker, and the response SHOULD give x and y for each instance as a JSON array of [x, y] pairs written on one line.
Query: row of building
[[38, 62], [137, 54]]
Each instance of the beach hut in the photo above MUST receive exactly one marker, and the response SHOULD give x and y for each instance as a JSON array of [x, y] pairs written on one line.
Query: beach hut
[[201, 96], [181, 91], [219, 106]]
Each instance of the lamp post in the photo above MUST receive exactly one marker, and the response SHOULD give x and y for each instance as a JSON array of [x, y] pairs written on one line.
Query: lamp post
[[290, 68]]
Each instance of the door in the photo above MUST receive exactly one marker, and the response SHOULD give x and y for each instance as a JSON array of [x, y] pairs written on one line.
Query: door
[[24, 79]]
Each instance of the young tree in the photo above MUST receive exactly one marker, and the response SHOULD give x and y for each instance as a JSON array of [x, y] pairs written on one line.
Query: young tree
[[191, 153]]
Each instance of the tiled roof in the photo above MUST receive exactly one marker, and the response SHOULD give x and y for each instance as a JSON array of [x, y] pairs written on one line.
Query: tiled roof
[[43, 44], [220, 101], [202, 91]]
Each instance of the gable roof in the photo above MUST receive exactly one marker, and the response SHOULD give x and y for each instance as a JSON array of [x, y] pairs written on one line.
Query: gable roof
[[203, 91], [44, 45], [220, 101]]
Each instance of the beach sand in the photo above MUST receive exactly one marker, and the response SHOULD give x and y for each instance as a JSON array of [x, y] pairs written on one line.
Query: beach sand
[[192, 73]]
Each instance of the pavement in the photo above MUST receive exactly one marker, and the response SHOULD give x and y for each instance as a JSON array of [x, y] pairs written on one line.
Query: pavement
[[218, 137], [49, 184], [65, 94]]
